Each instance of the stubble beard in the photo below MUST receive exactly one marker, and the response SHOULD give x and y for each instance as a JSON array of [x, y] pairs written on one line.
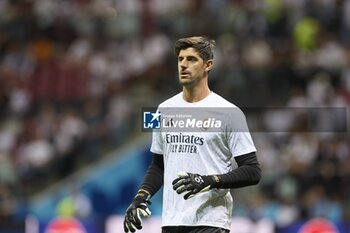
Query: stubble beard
[[188, 83]]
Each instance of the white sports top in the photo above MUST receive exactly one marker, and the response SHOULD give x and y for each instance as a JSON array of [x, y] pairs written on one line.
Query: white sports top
[[204, 153]]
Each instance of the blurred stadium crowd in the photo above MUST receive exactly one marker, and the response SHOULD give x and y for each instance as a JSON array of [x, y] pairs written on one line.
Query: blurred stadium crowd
[[74, 75]]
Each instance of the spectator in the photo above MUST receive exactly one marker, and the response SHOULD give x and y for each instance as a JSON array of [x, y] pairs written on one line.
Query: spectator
[[95, 57]]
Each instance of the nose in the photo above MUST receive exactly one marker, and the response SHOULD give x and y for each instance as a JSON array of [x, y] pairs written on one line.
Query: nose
[[183, 63]]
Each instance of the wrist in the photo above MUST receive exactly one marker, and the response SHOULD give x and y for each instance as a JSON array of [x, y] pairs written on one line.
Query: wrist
[[142, 195], [215, 181]]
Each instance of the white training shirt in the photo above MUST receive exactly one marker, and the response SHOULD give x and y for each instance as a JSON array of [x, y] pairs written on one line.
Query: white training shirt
[[204, 153]]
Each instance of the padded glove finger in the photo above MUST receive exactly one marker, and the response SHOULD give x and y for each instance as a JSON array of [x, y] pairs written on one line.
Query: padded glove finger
[[192, 183], [134, 214]]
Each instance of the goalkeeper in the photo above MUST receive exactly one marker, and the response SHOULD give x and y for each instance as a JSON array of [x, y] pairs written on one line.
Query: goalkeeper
[[197, 183]]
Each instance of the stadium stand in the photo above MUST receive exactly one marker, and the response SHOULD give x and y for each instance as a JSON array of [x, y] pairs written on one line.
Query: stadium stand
[[75, 74]]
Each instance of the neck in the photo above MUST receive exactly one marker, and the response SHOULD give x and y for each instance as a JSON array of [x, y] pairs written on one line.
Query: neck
[[195, 94]]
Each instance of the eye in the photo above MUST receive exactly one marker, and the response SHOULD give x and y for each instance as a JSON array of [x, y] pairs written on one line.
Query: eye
[[192, 58]]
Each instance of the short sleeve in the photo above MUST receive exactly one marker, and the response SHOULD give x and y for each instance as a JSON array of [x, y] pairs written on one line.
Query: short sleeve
[[239, 139]]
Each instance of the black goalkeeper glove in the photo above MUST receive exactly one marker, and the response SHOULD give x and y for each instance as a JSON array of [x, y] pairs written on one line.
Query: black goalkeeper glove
[[194, 183], [138, 206]]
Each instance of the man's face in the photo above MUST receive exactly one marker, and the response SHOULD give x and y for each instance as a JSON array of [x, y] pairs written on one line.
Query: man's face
[[192, 68]]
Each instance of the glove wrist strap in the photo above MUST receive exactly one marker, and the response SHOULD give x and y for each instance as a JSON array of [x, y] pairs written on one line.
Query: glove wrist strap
[[215, 181], [143, 195]]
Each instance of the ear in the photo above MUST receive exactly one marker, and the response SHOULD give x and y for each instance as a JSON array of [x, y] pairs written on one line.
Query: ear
[[209, 65]]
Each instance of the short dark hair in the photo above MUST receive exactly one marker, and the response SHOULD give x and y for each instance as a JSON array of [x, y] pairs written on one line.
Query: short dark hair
[[202, 44]]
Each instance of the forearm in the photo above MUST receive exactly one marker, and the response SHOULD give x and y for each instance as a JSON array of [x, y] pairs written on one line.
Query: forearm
[[248, 173], [154, 177]]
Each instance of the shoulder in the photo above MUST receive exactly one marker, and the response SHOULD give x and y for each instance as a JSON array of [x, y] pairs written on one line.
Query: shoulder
[[221, 101], [172, 101], [229, 109]]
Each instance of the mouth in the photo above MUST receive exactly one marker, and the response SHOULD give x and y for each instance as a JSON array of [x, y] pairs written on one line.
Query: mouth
[[184, 73]]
